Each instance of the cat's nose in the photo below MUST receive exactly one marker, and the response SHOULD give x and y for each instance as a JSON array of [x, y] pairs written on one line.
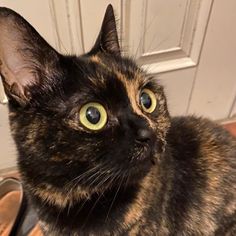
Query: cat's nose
[[144, 135]]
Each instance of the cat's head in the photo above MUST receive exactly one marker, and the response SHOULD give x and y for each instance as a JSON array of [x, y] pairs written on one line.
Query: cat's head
[[85, 122]]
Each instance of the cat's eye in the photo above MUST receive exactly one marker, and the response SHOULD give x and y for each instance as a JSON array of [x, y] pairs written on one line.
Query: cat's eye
[[93, 116], [148, 100]]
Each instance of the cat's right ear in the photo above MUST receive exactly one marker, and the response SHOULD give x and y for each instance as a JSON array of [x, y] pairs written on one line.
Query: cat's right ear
[[107, 41], [27, 61]]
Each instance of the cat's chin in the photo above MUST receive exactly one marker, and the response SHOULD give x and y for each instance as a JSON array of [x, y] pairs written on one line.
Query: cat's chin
[[145, 157], [141, 166]]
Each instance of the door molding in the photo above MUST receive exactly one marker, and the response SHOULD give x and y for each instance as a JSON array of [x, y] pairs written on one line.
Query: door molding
[[185, 54]]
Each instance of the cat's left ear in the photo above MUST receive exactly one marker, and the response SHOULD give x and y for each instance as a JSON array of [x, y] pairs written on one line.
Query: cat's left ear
[[107, 40]]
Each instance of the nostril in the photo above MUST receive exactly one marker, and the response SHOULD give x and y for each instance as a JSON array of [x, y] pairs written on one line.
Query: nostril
[[144, 135]]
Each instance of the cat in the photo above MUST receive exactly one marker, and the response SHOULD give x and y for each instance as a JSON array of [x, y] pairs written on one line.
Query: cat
[[98, 151]]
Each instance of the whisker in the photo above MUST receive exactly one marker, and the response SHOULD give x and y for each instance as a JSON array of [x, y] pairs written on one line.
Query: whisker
[[91, 210], [85, 173], [114, 198], [81, 207]]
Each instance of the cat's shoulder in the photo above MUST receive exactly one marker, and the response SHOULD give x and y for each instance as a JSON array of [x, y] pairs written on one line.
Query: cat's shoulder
[[199, 136], [194, 127]]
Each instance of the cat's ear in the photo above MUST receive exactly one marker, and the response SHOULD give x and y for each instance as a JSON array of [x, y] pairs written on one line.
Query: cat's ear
[[107, 40], [26, 59]]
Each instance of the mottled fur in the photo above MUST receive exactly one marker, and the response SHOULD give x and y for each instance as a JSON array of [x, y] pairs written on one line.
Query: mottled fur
[[178, 180]]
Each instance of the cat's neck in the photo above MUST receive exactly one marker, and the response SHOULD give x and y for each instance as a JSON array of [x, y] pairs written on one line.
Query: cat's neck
[[117, 207]]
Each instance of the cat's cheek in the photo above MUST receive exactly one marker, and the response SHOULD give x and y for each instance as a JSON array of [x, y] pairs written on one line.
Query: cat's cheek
[[161, 133]]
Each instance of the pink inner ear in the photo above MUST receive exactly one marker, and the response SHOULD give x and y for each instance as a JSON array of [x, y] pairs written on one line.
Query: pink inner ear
[[25, 57], [13, 66]]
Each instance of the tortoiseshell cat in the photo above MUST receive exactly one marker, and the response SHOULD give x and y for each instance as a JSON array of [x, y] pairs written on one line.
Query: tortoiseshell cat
[[98, 151]]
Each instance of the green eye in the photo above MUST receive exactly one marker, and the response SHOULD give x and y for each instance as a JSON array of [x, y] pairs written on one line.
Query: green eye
[[148, 101], [93, 116]]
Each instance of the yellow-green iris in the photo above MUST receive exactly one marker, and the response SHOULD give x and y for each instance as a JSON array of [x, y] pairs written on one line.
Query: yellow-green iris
[[93, 116], [148, 100]]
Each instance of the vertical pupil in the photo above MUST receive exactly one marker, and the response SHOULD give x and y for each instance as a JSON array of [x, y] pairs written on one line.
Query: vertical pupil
[[146, 100], [93, 115]]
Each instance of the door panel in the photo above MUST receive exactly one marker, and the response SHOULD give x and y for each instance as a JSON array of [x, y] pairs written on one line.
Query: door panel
[[158, 19], [165, 35], [215, 83]]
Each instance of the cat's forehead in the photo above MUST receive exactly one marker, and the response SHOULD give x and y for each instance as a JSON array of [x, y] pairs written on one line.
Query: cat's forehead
[[123, 69], [123, 65]]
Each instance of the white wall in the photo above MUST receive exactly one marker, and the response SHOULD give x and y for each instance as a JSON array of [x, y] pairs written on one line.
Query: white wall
[[7, 147]]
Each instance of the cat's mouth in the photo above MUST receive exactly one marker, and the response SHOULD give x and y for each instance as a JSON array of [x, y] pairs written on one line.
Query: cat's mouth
[[141, 161], [144, 152]]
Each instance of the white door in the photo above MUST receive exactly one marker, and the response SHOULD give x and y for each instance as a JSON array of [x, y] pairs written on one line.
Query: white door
[[190, 45]]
